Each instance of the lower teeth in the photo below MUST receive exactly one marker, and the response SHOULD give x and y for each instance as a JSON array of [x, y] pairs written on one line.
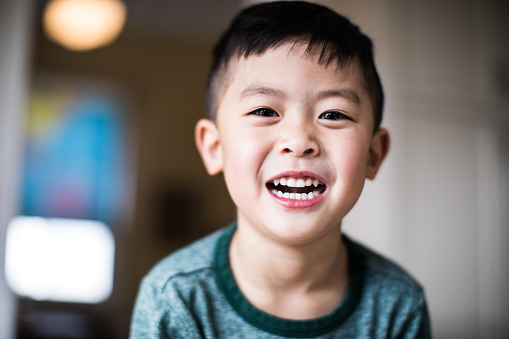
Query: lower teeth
[[296, 196]]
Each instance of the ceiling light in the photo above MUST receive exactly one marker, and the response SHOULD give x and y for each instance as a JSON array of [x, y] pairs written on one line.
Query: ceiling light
[[81, 25]]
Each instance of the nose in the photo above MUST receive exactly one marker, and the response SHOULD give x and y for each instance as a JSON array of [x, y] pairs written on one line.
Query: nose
[[297, 140]]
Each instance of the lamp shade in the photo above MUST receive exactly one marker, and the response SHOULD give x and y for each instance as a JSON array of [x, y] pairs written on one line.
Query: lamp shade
[[81, 25]]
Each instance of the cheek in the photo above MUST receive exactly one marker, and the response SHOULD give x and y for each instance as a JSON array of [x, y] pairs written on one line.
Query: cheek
[[244, 154], [350, 161], [244, 149], [351, 158]]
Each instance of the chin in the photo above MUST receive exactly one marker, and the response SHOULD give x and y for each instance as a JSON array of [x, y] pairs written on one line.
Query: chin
[[298, 233]]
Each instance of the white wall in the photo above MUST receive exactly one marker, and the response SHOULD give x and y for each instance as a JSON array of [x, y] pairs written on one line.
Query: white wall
[[15, 33], [439, 206]]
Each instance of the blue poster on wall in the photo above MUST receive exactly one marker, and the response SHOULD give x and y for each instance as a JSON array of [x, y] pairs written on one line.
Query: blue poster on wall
[[74, 164]]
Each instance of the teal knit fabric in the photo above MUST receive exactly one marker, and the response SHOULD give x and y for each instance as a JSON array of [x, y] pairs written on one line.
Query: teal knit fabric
[[192, 294]]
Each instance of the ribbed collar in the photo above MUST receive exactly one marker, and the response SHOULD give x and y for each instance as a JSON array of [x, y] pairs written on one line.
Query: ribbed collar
[[279, 326]]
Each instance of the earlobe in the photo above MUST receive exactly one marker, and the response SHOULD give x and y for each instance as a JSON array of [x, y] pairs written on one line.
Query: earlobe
[[380, 144], [209, 145]]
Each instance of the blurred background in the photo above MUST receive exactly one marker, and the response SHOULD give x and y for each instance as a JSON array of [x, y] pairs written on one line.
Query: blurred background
[[100, 179]]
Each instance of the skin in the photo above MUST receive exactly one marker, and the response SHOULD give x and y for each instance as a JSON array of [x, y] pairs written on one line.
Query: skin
[[283, 114]]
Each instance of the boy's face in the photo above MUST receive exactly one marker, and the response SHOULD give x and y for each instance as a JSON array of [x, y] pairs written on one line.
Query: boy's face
[[283, 117]]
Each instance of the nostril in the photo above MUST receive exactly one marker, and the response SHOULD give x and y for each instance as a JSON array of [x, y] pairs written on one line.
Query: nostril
[[305, 152], [299, 151]]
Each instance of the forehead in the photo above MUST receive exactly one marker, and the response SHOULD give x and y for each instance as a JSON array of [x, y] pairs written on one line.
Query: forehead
[[289, 68]]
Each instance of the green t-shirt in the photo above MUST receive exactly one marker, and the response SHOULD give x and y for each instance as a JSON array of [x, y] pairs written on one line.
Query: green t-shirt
[[193, 294]]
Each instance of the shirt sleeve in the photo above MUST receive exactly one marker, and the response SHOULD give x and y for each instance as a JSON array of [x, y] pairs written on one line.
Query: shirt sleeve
[[161, 315]]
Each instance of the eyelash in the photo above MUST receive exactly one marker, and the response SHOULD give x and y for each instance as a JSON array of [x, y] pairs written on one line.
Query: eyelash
[[331, 115]]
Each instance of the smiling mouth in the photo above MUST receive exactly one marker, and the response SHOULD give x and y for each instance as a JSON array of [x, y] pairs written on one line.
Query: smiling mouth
[[296, 188]]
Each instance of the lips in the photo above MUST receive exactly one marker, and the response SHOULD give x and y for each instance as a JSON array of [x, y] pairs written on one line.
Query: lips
[[296, 188]]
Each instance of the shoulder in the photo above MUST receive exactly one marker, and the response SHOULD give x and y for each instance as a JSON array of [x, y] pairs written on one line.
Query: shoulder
[[188, 261], [381, 271], [169, 292], [389, 296]]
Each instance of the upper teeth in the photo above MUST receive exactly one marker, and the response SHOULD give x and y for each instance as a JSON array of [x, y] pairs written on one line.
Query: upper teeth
[[296, 182]]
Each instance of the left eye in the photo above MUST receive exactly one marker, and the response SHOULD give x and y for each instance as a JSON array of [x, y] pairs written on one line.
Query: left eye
[[264, 112], [334, 116]]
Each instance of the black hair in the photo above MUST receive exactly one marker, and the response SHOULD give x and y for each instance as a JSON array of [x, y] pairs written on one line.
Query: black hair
[[328, 35]]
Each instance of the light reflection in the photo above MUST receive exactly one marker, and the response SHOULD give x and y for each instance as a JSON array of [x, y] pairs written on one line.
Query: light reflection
[[67, 260]]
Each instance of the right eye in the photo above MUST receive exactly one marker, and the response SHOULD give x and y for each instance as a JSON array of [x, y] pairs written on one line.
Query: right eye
[[264, 112]]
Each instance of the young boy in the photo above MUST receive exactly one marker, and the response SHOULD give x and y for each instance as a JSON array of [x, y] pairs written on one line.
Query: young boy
[[294, 109]]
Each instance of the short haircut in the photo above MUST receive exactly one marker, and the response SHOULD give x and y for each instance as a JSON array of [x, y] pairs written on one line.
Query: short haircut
[[328, 35]]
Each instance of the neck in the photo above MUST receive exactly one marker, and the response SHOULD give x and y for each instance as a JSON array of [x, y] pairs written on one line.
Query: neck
[[276, 276]]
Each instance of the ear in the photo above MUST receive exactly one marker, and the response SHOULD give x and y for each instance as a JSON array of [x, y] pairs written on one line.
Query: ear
[[209, 145], [378, 150]]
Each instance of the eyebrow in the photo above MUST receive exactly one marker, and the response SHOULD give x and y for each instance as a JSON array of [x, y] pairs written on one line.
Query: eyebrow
[[262, 90], [345, 93], [342, 93]]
